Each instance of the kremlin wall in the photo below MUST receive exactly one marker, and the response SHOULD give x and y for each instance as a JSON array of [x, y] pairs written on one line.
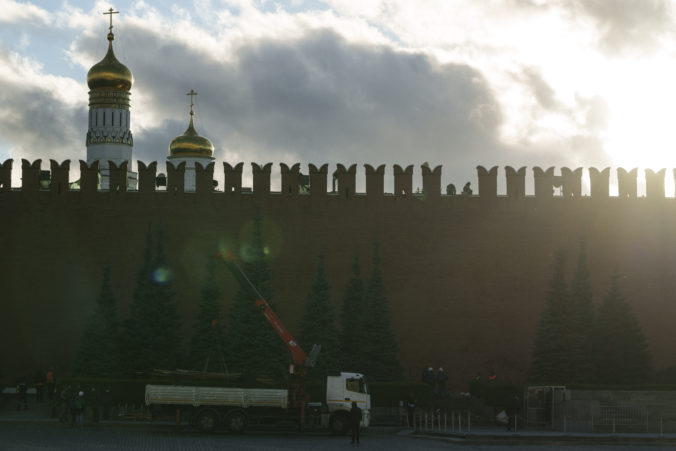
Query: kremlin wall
[[466, 275]]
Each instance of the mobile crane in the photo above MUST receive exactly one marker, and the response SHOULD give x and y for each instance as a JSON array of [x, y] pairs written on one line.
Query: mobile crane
[[210, 407]]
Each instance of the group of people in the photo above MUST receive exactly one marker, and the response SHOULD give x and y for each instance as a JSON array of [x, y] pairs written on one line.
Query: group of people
[[74, 401], [437, 381]]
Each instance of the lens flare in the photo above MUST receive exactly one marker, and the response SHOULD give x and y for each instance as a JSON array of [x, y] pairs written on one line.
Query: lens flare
[[162, 275]]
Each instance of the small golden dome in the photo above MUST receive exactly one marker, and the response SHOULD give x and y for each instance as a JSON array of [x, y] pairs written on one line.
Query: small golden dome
[[109, 74], [190, 144]]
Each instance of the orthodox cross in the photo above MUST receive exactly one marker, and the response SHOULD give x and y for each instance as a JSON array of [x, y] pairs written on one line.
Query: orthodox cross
[[192, 94], [110, 13]]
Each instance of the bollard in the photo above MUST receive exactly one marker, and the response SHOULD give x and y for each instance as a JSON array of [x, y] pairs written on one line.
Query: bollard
[[445, 422], [469, 422], [425, 420], [564, 423], [453, 421], [459, 422]]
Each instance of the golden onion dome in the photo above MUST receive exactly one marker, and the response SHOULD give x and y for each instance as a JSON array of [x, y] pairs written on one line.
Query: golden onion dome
[[190, 144], [109, 74]]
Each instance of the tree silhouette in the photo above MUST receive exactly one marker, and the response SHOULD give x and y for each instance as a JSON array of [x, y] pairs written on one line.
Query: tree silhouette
[[621, 350], [352, 315], [207, 345], [551, 356], [318, 325], [253, 346], [153, 327], [98, 354], [580, 323], [378, 357]]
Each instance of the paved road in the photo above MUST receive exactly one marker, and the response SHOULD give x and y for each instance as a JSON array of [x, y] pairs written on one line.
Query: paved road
[[33, 436]]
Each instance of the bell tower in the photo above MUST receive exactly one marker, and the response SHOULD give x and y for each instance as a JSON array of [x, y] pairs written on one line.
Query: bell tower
[[109, 136]]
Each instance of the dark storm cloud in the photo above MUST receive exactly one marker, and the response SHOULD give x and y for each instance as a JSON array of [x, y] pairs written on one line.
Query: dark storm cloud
[[33, 116], [316, 99]]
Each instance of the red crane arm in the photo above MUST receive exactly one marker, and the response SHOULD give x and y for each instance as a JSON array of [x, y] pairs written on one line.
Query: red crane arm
[[298, 356]]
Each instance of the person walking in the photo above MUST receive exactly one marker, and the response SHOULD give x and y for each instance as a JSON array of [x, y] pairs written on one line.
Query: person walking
[[355, 422], [50, 379], [410, 410]]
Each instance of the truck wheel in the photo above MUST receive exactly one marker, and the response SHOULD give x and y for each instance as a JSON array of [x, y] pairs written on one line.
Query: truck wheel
[[339, 423], [236, 421], [207, 420]]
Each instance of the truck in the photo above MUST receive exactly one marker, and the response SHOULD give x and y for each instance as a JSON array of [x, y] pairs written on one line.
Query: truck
[[236, 407]]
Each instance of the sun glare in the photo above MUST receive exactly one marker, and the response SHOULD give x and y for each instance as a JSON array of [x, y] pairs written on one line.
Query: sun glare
[[641, 98]]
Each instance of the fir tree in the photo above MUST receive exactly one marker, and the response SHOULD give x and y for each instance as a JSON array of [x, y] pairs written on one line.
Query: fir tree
[[622, 353], [318, 325], [580, 322], [99, 348], [551, 360], [153, 327], [351, 319], [207, 345], [254, 348], [378, 355]]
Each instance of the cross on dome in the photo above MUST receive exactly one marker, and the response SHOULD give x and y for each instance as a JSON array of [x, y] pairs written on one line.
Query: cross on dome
[[192, 95]]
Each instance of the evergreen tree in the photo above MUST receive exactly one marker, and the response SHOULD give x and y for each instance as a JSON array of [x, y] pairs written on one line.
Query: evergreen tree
[[207, 345], [551, 356], [622, 354], [99, 348], [580, 322], [318, 325], [351, 320], [378, 357], [254, 348], [153, 327]]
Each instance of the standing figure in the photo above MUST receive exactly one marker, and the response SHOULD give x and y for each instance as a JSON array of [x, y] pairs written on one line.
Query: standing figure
[[442, 378], [94, 404], [22, 394], [50, 379], [107, 402], [355, 422], [79, 407], [410, 410]]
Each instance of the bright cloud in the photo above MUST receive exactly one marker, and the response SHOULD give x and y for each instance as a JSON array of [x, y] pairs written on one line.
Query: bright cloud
[[518, 82]]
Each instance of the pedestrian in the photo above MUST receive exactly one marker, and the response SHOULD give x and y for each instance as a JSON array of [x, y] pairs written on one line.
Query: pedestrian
[[428, 377], [107, 402], [410, 410], [22, 394], [50, 379], [442, 378], [467, 189], [355, 421], [79, 407], [94, 404], [64, 403], [39, 387], [512, 412]]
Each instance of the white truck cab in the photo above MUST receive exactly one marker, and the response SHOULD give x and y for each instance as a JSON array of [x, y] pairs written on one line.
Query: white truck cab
[[341, 392]]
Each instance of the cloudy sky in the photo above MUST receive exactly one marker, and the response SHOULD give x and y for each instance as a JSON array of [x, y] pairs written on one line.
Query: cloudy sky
[[457, 83]]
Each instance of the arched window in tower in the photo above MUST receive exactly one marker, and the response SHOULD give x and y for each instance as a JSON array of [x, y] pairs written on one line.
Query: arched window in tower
[[104, 118]]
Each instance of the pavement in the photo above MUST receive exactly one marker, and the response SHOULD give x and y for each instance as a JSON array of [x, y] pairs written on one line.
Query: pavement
[[482, 435]]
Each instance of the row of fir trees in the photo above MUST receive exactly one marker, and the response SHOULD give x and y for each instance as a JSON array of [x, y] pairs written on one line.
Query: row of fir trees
[[578, 343], [362, 339]]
